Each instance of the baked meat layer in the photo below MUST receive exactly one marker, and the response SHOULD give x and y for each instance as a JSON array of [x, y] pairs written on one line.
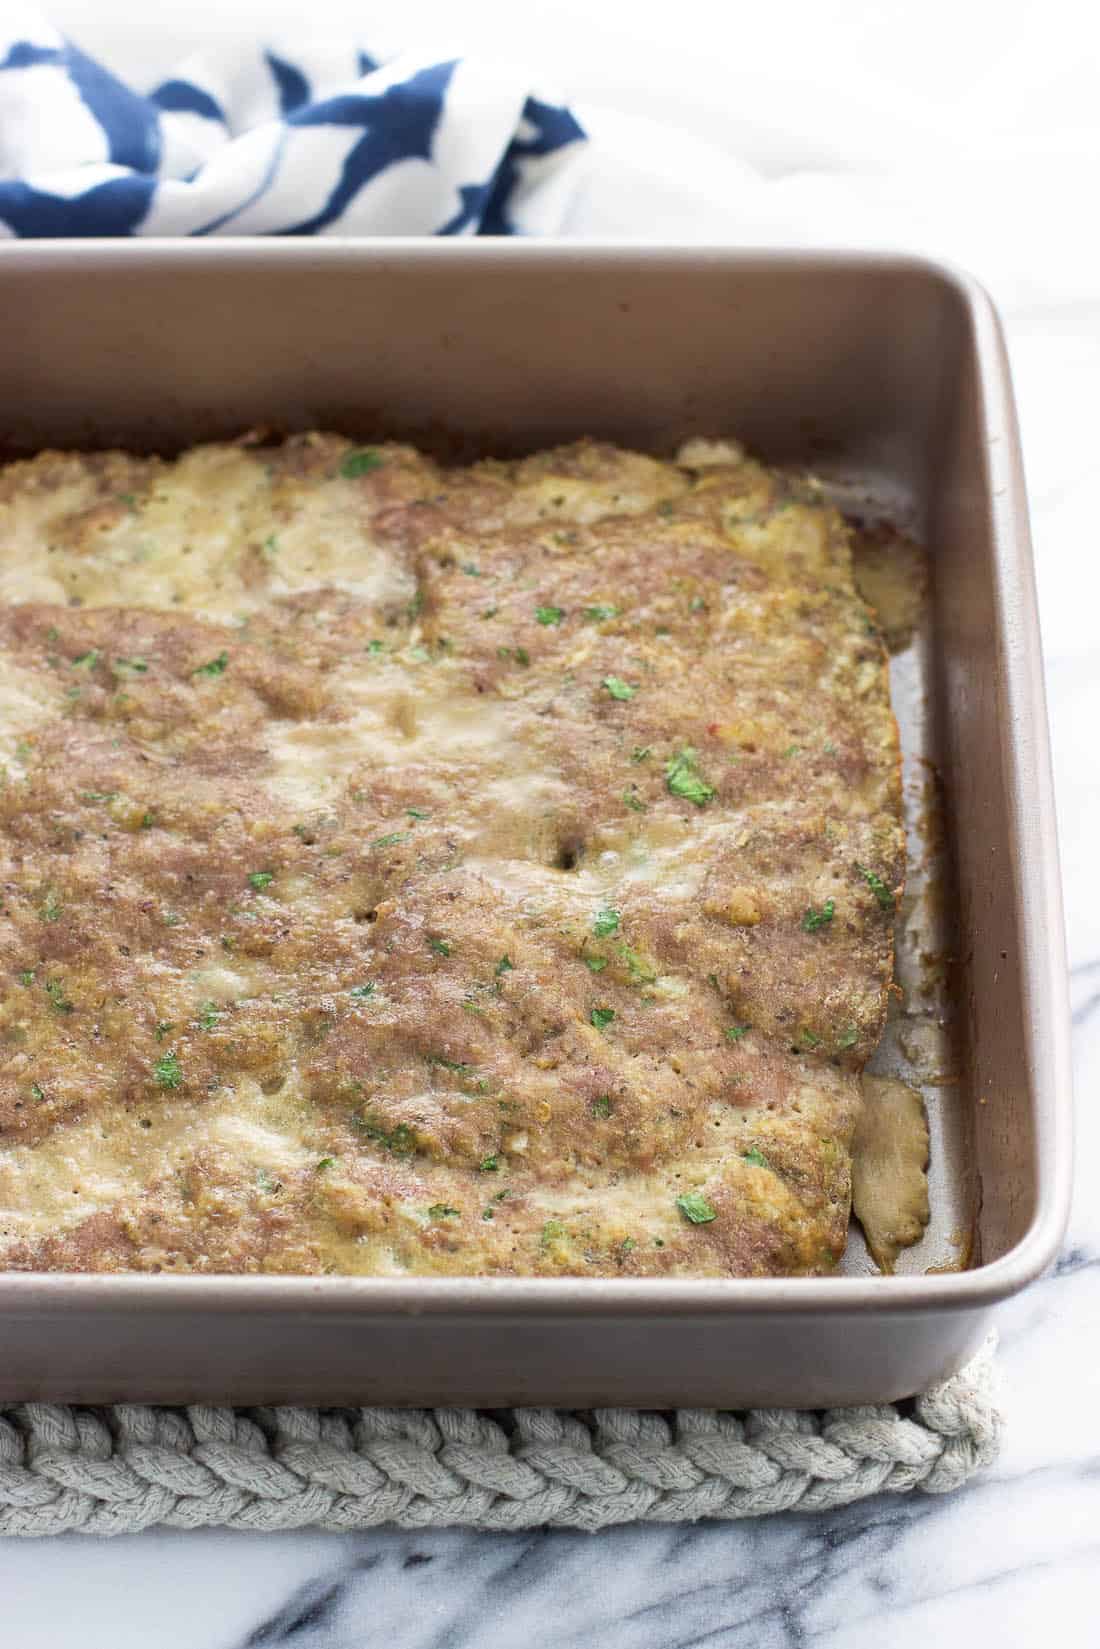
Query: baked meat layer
[[436, 871]]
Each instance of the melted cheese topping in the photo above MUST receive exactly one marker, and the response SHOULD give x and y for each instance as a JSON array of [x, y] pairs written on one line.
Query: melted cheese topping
[[101, 1162], [212, 535]]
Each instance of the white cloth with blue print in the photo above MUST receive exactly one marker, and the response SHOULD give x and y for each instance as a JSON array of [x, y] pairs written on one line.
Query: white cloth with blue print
[[321, 140]]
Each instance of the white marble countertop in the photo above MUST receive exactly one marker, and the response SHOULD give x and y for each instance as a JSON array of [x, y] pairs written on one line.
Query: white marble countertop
[[971, 134]]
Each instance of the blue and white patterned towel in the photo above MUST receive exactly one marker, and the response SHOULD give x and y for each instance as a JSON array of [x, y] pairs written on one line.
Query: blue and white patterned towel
[[323, 140]]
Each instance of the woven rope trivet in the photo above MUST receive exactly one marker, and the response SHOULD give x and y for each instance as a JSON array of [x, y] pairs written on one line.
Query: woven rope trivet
[[122, 1469]]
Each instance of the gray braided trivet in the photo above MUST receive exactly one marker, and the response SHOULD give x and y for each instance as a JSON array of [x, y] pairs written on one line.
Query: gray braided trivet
[[119, 1470]]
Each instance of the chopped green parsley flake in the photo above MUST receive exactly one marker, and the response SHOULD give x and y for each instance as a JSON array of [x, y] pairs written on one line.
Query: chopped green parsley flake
[[416, 813], [697, 604], [793, 750], [325, 1162], [134, 666], [471, 569], [695, 1207], [400, 1140], [37, 1091], [439, 947], [607, 921], [449, 1064], [634, 802], [391, 840], [98, 795], [163, 1029], [878, 887], [757, 1158], [208, 1017], [267, 1183], [374, 648], [602, 1017], [815, 919], [552, 1231], [50, 910], [27, 976], [362, 991], [168, 1072], [549, 615], [683, 780], [596, 964], [735, 1032], [807, 1039], [55, 990], [213, 667], [600, 613], [619, 689], [360, 463], [148, 820], [520, 654], [602, 1105], [848, 1038], [87, 661], [505, 965], [442, 1211], [641, 753], [489, 1165], [259, 879], [641, 973]]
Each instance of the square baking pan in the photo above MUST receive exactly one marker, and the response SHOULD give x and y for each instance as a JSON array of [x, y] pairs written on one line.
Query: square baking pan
[[888, 376]]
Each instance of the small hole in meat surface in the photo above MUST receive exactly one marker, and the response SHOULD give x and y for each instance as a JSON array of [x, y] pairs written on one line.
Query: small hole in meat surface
[[570, 853]]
